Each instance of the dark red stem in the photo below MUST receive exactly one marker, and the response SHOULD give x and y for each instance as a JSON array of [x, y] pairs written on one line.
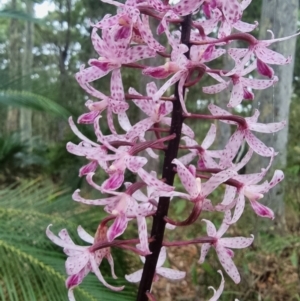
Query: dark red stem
[[158, 227]]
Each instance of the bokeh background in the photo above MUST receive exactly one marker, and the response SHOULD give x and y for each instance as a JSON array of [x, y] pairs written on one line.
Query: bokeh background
[[42, 45]]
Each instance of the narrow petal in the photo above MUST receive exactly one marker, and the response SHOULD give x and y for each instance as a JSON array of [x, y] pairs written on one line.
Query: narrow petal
[[188, 158], [219, 292], [98, 202], [236, 242], [262, 210], [139, 128], [245, 27], [210, 185], [269, 56], [61, 242], [187, 179], [225, 224], [237, 95], [97, 272], [210, 137], [111, 263], [258, 146], [204, 250], [239, 208], [162, 257], [228, 264], [213, 89], [232, 147], [170, 273], [277, 177], [210, 228], [215, 110], [113, 182], [153, 182], [84, 235], [143, 235], [267, 128], [264, 69], [229, 196], [118, 227], [134, 277], [136, 53], [134, 163]]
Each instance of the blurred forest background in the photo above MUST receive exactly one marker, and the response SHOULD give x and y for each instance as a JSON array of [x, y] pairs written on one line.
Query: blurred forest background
[[42, 45]]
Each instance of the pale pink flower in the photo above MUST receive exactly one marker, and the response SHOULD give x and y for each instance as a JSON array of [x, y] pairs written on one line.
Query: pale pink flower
[[124, 207], [240, 85], [81, 260], [243, 132], [229, 13], [223, 246], [157, 110], [112, 55], [160, 271], [205, 156], [263, 54]]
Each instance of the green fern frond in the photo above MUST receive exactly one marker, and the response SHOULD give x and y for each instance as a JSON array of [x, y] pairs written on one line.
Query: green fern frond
[[32, 101], [31, 266]]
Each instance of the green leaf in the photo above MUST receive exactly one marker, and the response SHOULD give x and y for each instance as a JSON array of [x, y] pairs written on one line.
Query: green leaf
[[32, 101], [31, 266]]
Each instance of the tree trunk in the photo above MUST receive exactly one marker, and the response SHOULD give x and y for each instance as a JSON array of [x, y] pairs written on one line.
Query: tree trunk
[[274, 103], [14, 67], [26, 114]]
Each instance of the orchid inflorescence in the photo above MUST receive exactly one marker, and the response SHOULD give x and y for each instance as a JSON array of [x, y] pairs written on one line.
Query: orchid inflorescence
[[122, 40]]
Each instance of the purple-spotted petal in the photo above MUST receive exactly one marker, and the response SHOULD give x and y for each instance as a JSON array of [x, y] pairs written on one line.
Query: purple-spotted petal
[[236, 242], [75, 264], [262, 210], [204, 250], [97, 272], [118, 227], [187, 179], [239, 208], [227, 263], [258, 146], [210, 228], [170, 273]]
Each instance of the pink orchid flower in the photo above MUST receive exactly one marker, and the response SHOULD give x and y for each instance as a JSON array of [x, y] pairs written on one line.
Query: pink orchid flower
[[165, 272], [180, 66], [244, 132], [263, 54], [112, 55], [197, 192], [223, 246], [229, 13], [125, 207], [249, 187], [81, 260], [157, 110], [114, 104], [241, 84], [130, 25], [205, 156]]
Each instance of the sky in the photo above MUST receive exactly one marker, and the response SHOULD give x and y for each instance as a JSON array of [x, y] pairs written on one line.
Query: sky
[[41, 10]]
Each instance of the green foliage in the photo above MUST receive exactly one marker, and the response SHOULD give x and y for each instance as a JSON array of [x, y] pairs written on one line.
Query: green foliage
[[32, 101], [20, 15], [31, 266]]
